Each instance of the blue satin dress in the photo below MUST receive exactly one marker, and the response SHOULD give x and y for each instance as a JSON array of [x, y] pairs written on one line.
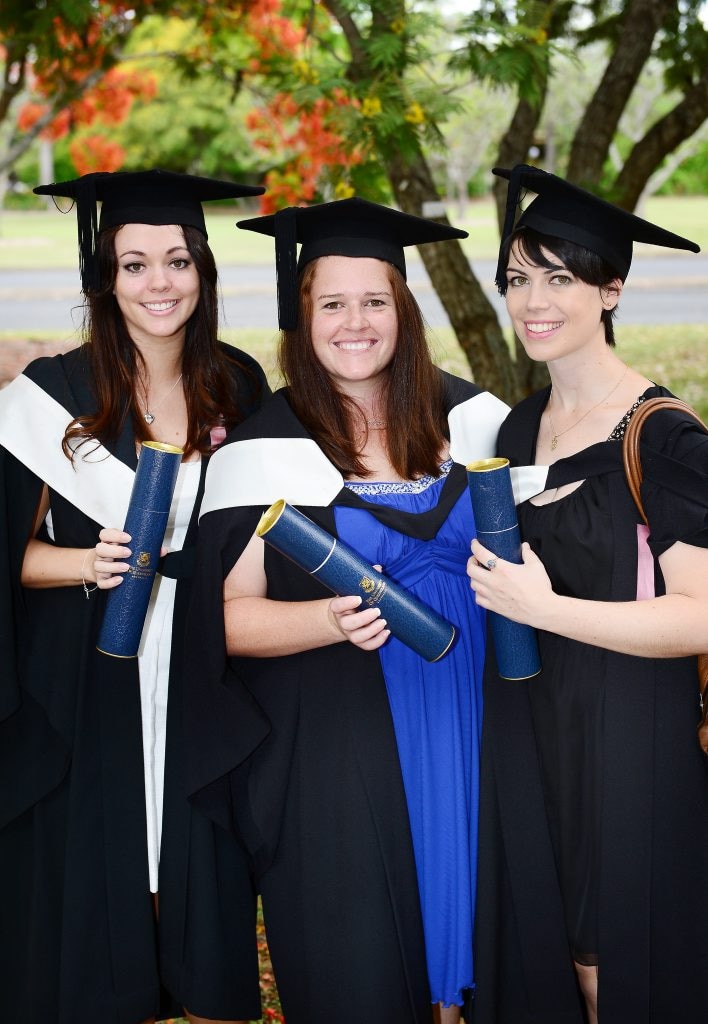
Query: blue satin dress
[[437, 715]]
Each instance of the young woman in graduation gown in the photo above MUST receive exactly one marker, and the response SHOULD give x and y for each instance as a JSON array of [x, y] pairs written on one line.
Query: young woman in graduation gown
[[594, 817], [93, 811], [346, 762]]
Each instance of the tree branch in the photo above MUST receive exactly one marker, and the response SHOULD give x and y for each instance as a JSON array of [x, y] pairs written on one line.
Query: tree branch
[[594, 134], [59, 102], [351, 33], [13, 84], [662, 138]]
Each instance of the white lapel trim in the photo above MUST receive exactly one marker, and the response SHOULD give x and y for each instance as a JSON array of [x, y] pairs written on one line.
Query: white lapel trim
[[265, 469], [32, 426], [474, 425], [527, 481]]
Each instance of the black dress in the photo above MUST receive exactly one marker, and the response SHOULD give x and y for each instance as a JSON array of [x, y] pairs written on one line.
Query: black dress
[[619, 868], [77, 932]]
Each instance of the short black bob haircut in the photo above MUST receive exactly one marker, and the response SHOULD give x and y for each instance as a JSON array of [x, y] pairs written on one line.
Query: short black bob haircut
[[583, 263]]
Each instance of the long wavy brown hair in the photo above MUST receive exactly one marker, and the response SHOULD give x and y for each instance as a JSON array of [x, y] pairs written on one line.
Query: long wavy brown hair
[[413, 398], [116, 362]]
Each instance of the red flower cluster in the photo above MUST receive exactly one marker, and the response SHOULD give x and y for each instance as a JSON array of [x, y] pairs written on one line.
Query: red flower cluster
[[274, 36], [80, 54], [96, 153], [309, 139]]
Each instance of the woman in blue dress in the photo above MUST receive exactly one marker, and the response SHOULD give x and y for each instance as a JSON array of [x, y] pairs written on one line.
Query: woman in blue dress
[[348, 764]]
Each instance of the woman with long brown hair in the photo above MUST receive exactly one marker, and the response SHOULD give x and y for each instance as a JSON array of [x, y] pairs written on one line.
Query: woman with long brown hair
[[95, 818], [347, 762]]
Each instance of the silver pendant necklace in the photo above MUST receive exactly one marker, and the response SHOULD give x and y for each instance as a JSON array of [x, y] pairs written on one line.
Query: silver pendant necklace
[[148, 416]]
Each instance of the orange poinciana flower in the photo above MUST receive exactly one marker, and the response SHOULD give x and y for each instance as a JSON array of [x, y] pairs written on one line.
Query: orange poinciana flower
[[96, 153], [310, 141]]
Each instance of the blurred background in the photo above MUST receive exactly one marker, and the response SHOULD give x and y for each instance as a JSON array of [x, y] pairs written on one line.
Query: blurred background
[[406, 103]]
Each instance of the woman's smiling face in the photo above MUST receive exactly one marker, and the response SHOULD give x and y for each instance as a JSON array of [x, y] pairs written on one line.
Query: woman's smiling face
[[553, 312], [354, 319], [157, 284]]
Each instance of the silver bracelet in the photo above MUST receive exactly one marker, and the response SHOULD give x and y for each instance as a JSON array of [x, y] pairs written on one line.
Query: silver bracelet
[[87, 590]]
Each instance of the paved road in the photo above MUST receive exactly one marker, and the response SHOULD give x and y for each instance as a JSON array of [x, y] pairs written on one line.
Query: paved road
[[660, 290]]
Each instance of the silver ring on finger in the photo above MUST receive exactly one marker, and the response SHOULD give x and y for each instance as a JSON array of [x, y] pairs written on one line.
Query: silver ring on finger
[[491, 562]]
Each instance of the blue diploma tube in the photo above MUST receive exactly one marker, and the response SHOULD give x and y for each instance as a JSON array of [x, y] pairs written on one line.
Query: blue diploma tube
[[345, 572], [146, 522], [494, 510]]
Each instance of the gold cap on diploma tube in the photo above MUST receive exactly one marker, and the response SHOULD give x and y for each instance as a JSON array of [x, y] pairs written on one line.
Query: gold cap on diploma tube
[[486, 465], [270, 517]]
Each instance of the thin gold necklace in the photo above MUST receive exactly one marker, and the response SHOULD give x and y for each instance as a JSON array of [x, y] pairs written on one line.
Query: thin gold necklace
[[148, 416], [559, 433]]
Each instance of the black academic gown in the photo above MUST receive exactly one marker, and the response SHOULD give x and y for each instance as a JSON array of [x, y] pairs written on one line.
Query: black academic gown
[[298, 753], [79, 940], [653, 896]]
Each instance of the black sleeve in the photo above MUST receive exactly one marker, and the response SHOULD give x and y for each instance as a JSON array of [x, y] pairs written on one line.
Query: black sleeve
[[223, 722], [674, 454], [33, 755]]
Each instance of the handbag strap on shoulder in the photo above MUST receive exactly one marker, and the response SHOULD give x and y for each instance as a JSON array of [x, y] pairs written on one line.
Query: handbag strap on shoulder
[[630, 444]]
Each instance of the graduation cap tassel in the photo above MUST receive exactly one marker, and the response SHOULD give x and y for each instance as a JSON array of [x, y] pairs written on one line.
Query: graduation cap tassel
[[286, 267], [512, 202], [137, 197], [562, 210], [87, 218]]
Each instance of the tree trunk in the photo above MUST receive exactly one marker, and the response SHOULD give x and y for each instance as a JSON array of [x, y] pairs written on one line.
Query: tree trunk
[[597, 129], [662, 139], [471, 314], [514, 147]]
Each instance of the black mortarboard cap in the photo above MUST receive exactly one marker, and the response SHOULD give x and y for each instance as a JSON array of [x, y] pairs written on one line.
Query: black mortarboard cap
[[346, 227], [137, 197], [563, 210]]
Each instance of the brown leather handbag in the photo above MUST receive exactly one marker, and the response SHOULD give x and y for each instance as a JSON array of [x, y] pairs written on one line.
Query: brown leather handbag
[[633, 471]]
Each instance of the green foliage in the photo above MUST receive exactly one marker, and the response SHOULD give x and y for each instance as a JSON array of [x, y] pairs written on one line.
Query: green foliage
[[507, 45], [26, 170], [691, 177], [17, 200], [683, 47], [207, 136], [425, 71], [387, 51], [32, 20]]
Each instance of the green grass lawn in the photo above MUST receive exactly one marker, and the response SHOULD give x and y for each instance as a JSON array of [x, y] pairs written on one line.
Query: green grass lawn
[[47, 239]]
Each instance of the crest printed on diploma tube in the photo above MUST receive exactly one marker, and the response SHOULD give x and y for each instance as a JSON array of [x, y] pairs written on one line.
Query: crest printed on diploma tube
[[346, 573]]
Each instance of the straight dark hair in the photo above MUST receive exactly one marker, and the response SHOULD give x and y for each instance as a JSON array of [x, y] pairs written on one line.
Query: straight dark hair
[[116, 362], [585, 264], [413, 398]]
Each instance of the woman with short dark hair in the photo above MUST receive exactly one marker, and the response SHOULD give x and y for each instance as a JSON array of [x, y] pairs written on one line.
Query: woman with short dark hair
[[594, 819]]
